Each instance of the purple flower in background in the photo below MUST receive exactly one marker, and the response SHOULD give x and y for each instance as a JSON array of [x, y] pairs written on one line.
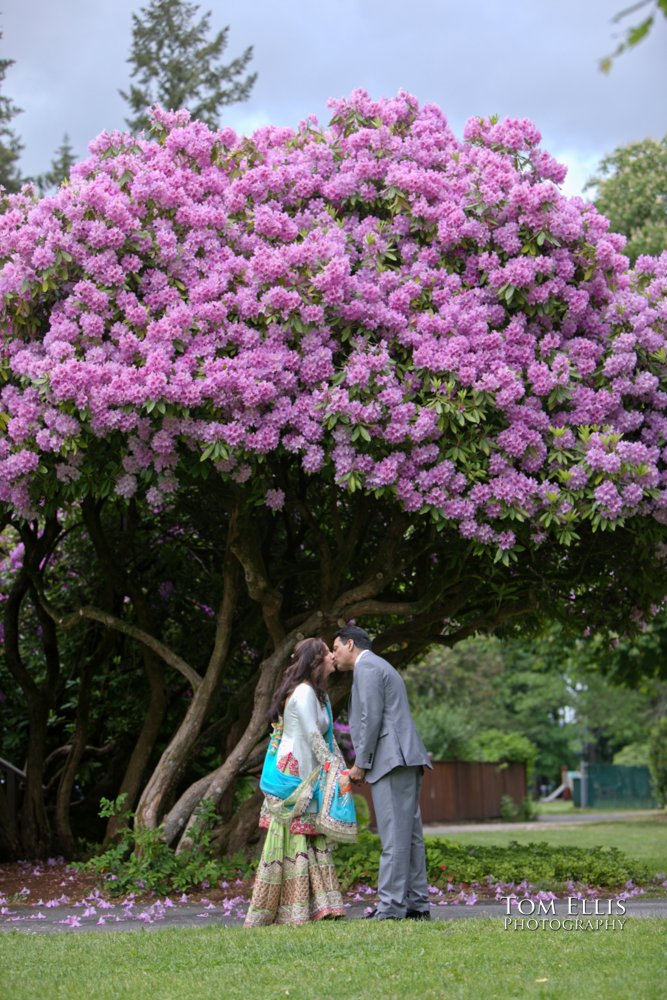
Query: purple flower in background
[[275, 499]]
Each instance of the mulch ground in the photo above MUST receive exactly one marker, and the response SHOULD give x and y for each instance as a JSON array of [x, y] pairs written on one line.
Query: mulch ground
[[55, 882], [25, 882]]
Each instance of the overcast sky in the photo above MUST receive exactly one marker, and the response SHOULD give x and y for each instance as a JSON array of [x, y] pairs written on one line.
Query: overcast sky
[[517, 58]]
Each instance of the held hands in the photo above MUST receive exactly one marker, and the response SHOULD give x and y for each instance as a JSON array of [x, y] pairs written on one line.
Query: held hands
[[357, 775], [344, 777], [344, 782]]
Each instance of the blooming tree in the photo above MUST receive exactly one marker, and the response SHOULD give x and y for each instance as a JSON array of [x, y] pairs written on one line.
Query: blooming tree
[[409, 380]]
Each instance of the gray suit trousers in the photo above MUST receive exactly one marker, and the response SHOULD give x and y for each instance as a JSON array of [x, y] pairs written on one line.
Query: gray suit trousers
[[402, 884]]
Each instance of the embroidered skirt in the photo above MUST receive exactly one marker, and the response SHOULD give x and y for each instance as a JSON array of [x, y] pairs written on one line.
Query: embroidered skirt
[[296, 880]]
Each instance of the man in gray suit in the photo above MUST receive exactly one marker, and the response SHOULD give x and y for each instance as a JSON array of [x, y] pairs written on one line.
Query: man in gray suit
[[391, 757]]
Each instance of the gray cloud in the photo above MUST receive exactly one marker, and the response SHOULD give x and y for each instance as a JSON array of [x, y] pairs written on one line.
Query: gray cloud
[[522, 58]]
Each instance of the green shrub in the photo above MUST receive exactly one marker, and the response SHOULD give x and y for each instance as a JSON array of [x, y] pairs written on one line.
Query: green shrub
[[632, 755], [363, 812], [657, 760], [527, 811], [495, 745], [358, 863], [540, 863], [141, 861], [447, 732]]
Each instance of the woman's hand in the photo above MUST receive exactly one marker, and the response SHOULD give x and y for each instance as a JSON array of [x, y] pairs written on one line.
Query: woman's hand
[[344, 783]]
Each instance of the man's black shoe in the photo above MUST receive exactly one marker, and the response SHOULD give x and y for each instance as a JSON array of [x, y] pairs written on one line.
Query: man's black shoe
[[376, 915], [417, 915]]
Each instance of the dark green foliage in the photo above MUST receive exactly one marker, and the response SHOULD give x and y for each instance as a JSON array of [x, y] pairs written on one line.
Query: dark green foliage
[[541, 864], [657, 760], [494, 745], [632, 192], [11, 146], [447, 731], [141, 862], [177, 65], [543, 700], [512, 812], [61, 164], [638, 659]]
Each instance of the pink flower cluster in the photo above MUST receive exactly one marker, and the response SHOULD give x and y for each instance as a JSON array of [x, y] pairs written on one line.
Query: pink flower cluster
[[409, 313]]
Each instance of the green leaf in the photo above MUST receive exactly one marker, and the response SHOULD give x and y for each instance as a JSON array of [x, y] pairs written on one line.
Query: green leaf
[[639, 32]]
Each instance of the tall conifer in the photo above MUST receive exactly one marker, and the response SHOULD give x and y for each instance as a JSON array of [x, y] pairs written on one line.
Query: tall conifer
[[11, 146], [175, 63]]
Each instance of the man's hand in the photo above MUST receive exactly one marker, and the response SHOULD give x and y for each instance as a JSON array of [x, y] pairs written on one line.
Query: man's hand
[[357, 775]]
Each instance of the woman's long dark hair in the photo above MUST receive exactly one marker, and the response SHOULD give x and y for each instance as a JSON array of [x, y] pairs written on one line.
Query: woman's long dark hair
[[307, 659]]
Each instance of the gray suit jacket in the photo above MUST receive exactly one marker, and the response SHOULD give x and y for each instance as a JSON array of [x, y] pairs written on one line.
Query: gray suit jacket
[[383, 733]]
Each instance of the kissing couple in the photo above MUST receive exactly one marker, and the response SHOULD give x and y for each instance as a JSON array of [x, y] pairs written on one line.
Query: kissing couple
[[308, 806]]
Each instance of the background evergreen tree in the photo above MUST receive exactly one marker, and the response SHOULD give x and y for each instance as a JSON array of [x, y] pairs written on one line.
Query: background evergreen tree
[[11, 146], [61, 164], [177, 65]]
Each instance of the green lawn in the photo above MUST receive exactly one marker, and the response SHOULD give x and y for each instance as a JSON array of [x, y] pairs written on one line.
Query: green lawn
[[559, 807], [643, 839], [338, 961], [351, 960]]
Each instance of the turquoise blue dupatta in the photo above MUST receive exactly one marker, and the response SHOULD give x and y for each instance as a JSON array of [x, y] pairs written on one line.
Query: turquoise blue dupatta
[[289, 795]]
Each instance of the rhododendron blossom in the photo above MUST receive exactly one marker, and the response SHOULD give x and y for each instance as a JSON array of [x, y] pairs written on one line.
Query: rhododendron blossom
[[409, 313]]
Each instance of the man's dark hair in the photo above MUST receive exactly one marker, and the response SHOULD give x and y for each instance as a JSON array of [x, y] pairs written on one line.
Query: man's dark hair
[[359, 637]]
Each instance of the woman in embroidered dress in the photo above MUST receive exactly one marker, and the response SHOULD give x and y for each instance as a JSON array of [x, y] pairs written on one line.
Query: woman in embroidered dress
[[296, 878]]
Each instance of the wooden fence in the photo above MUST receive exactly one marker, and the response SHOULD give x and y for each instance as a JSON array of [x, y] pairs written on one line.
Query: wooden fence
[[465, 790]]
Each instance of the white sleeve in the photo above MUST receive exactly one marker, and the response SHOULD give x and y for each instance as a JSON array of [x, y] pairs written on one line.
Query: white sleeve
[[306, 710]]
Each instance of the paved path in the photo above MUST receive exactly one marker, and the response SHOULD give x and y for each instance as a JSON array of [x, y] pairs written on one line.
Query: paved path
[[156, 917], [543, 823], [102, 916]]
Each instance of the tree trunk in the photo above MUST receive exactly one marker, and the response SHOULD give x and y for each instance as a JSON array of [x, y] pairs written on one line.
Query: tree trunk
[[35, 828], [125, 583], [214, 785], [241, 829], [173, 760], [143, 748], [176, 755], [61, 818], [10, 845]]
